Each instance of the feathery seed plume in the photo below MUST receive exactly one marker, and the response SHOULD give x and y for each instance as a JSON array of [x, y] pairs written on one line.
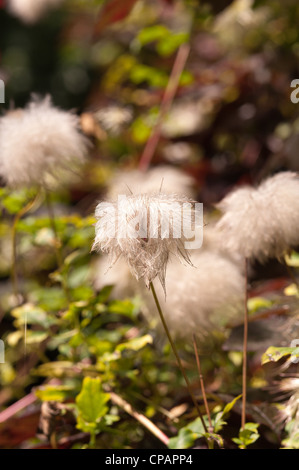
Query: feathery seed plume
[[39, 143], [146, 230], [262, 222], [31, 11]]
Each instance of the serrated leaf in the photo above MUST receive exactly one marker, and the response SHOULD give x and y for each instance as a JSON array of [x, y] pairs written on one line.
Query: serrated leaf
[[91, 401], [247, 435]]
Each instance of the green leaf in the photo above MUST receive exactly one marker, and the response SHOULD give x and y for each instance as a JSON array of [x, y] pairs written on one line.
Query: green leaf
[[34, 337], [230, 405], [14, 201], [143, 73], [258, 303], [104, 294], [292, 259], [152, 33], [219, 421], [123, 307], [54, 392], [184, 440], [247, 435], [169, 44], [135, 344], [274, 354], [91, 401], [31, 314], [141, 130]]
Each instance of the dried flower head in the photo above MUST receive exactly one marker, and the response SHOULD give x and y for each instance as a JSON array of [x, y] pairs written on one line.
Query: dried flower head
[[262, 222], [31, 11], [146, 230], [166, 178], [39, 143]]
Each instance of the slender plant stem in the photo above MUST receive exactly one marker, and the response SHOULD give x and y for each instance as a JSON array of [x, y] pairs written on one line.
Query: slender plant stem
[[202, 385], [169, 94], [19, 405], [14, 270], [245, 342], [57, 244], [177, 356], [119, 401]]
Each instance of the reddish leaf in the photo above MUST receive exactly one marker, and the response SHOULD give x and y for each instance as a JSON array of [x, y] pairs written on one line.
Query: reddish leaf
[[112, 12]]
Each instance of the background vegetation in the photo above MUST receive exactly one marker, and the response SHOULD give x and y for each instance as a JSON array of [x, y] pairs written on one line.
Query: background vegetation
[[231, 121]]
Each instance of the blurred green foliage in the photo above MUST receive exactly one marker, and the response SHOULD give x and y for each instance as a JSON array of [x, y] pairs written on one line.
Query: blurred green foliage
[[233, 113]]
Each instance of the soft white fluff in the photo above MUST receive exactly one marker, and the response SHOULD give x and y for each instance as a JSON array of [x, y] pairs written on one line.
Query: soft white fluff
[[113, 119], [289, 413], [167, 178], [199, 299], [31, 11], [160, 221], [38, 142], [262, 222]]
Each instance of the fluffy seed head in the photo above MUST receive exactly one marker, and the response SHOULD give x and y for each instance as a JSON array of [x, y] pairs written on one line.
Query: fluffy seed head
[[146, 230], [289, 413], [39, 143], [31, 11], [262, 222], [165, 177], [113, 119]]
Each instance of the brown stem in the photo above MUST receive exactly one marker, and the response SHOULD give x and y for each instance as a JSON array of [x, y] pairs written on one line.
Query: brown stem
[[119, 401], [202, 385], [17, 406], [177, 356], [245, 341], [167, 100]]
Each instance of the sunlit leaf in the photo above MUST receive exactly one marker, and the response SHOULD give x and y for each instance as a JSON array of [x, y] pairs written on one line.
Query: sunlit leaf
[[274, 354], [54, 392], [136, 343], [91, 401]]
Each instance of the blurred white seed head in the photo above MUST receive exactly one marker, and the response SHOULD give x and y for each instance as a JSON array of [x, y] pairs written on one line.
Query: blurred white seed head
[[39, 144], [146, 230], [31, 11], [289, 413], [113, 119], [200, 298], [165, 178], [262, 222]]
